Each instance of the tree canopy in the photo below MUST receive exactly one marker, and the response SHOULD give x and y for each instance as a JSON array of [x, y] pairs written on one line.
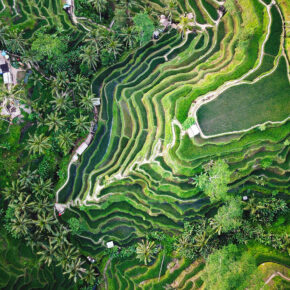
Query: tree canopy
[[145, 26], [229, 268], [215, 180]]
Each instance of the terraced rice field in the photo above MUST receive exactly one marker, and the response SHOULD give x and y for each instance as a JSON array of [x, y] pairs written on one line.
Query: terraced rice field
[[134, 176]]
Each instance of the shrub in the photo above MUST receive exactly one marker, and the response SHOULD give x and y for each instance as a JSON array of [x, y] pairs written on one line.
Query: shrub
[[188, 123]]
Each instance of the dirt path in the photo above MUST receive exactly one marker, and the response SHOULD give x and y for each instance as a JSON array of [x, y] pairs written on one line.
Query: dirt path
[[104, 274], [274, 275]]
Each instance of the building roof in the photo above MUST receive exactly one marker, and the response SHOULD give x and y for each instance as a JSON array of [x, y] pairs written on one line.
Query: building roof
[[96, 101], [4, 67], [110, 244], [193, 131], [7, 78], [82, 148]]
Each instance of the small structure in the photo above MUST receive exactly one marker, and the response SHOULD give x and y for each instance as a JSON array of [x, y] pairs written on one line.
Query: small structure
[[60, 208], [96, 101], [156, 34], [82, 148], [7, 78], [193, 131], [67, 4], [189, 16], [4, 67], [163, 21], [245, 198], [110, 244]]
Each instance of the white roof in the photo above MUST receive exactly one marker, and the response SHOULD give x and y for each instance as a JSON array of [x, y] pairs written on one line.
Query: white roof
[[82, 148], [7, 78], [193, 131], [110, 244], [68, 2], [96, 101]]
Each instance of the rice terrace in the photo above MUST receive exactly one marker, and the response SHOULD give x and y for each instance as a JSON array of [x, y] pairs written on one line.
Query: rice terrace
[[144, 144]]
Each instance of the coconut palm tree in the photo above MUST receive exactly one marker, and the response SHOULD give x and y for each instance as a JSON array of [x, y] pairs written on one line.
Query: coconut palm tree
[[22, 204], [201, 239], [27, 176], [59, 237], [100, 6], [55, 122], [66, 140], [42, 187], [38, 144], [47, 254], [184, 25], [91, 275], [42, 205], [12, 191], [20, 225], [61, 101], [3, 34], [15, 41], [61, 81], [146, 251], [170, 8], [129, 35], [44, 222], [82, 124], [80, 84], [87, 101], [75, 269], [90, 56], [64, 256], [96, 38], [114, 46]]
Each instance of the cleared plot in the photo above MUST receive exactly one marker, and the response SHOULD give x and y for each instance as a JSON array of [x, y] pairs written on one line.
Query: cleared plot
[[247, 105]]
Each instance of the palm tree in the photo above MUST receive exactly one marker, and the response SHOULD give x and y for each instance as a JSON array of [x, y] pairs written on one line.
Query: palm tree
[[66, 140], [216, 225], [145, 251], [129, 35], [90, 56], [14, 93], [170, 8], [20, 225], [91, 275], [38, 144], [47, 253], [74, 269], [82, 124], [80, 84], [54, 122], [26, 177], [15, 41], [100, 6], [3, 34], [22, 204], [61, 81], [14, 190], [87, 101], [201, 239], [44, 222], [42, 205], [114, 46], [64, 256], [61, 101], [96, 38], [59, 237], [184, 25], [42, 187]]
